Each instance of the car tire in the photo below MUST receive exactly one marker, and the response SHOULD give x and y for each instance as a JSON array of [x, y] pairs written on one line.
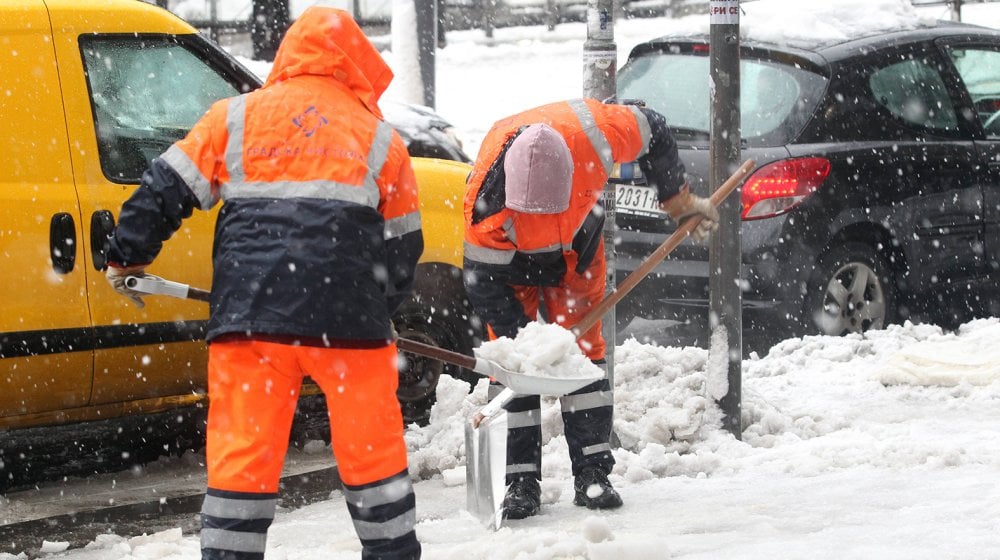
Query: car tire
[[437, 314], [851, 291]]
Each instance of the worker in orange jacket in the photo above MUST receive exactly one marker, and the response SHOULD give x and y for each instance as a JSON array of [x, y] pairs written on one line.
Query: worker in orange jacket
[[316, 245], [533, 244]]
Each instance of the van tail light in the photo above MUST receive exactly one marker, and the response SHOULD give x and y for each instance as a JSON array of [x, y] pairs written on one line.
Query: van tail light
[[778, 187]]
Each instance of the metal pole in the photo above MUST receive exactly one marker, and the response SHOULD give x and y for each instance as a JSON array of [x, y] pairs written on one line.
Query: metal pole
[[956, 10], [551, 14], [488, 16], [427, 26], [269, 21], [213, 17], [600, 64], [725, 253]]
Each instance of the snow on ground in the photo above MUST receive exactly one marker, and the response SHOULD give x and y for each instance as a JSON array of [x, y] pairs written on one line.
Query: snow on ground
[[878, 446], [835, 463]]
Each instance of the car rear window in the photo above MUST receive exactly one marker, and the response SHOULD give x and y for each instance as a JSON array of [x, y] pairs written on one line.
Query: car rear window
[[776, 99]]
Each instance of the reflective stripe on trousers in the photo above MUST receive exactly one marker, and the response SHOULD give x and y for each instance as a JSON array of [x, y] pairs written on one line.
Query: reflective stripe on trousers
[[384, 514], [234, 524], [587, 417]]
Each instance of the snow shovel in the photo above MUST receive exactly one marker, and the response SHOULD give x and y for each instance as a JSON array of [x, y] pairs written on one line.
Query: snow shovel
[[517, 382], [486, 433]]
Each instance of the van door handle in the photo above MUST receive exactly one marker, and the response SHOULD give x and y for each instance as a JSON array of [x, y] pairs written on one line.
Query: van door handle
[[62, 242], [102, 225]]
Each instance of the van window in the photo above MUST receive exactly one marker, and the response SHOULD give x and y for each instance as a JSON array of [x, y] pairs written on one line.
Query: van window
[[146, 93]]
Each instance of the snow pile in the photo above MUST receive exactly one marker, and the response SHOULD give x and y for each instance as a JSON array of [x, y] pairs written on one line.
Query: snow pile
[[803, 408], [541, 350], [439, 447], [948, 360], [661, 410]]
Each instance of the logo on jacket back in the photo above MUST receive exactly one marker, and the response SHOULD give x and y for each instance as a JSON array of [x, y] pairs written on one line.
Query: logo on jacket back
[[310, 121]]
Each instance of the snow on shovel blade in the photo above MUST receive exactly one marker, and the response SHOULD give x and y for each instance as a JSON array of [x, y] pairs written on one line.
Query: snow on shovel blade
[[519, 382]]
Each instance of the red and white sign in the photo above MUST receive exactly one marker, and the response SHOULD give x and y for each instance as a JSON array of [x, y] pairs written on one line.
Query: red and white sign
[[724, 11]]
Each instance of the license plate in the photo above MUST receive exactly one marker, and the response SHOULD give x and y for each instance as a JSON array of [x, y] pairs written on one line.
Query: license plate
[[638, 200]]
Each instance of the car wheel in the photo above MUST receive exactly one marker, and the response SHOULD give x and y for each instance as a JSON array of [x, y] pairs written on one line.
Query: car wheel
[[437, 314], [851, 291]]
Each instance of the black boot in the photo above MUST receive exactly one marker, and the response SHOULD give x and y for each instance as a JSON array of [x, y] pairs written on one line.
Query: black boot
[[524, 497], [594, 490]]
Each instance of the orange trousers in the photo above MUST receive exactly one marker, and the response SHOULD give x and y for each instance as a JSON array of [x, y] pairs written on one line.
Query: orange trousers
[[253, 389], [570, 301]]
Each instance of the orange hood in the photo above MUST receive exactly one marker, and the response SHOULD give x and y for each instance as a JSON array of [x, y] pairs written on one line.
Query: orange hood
[[328, 42]]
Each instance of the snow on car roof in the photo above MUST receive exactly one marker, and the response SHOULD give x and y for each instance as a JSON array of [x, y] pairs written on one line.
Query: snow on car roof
[[810, 24]]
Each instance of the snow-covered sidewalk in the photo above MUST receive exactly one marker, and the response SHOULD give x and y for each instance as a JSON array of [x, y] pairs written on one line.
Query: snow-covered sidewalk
[[840, 459]]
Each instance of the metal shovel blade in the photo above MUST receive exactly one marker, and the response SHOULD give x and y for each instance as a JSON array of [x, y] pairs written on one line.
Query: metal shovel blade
[[485, 469]]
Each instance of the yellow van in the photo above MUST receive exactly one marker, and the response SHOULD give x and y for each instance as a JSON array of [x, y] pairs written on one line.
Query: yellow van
[[91, 92]]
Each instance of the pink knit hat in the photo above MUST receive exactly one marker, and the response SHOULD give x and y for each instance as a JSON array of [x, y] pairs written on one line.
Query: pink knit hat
[[539, 171]]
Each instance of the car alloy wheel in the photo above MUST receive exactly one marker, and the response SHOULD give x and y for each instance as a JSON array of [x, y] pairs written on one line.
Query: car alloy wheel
[[853, 291]]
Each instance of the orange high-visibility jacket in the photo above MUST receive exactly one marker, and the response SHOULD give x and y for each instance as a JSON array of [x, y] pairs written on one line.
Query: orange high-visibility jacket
[[504, 247], [319, 232]]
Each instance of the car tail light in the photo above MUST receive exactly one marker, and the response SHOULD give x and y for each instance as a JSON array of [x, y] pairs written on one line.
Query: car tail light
[[778, 187]]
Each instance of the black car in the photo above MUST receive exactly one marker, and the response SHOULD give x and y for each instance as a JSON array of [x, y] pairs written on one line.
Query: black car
[[876, 196], [426, 133]]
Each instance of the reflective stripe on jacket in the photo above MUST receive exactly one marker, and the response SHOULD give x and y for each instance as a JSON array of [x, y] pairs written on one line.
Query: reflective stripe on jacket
[[319, 232], [504, 247]]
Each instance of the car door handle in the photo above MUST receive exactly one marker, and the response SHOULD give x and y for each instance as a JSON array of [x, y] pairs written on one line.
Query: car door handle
[[62, 242], [102, 224]]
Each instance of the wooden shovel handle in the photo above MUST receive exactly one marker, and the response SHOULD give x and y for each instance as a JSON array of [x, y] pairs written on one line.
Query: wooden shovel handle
[[199, 294], [661, 252], [437, 353]]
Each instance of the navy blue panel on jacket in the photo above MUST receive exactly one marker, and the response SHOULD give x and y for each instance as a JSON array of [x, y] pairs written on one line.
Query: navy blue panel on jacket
[[283, 266], [661, 164]]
